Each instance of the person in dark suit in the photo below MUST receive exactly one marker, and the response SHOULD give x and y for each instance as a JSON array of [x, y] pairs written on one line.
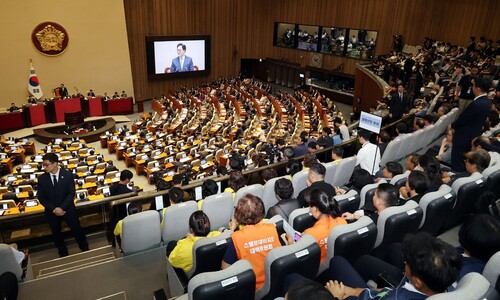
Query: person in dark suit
[[284, 191], [56, 192], [398, 104], [182, 63], [63, 91], [470, 123], [315, 180]]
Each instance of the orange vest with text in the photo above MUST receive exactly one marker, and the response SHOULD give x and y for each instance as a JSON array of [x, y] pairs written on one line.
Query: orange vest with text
[[321, 230], [252, 243]]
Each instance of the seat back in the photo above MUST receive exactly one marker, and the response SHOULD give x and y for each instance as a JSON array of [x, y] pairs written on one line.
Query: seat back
[[467, 190], [219, 209], [9, 262], [492, 175], [396, 221], [7, 204], [301, 219], [254, 189], [400, 180], [299, 182], [344, 171], [434, 206], [491, 270], [269, 195], [352, 240], [302, 257], [349, 202], [331, 169], [471, 286], [141, 232], [366, 194], [208, 253], [390, 151], [235, 282], [176, 221]]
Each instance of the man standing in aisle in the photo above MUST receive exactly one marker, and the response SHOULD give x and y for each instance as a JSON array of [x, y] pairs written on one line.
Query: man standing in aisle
[[56, 192], [469, 124]]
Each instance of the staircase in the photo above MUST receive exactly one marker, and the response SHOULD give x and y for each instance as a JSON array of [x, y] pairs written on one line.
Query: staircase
[[73, 262]]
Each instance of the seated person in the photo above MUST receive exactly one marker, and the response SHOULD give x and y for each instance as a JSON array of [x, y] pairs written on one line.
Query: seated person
[[178, 181], [326, 211], [176, 196], [182, 255], [293, 167], [236, 181], [416, 186], [431, 266], [444, 154], [430, 166], [122, 186], [482, 142], [337, 154], [479, 238], [286, 203], [476, 162], [249, 212], [385, 196], [359, 178], [315, 180], [390, 170], [307, 289], [13, 107], [208, 188], [133, 208]]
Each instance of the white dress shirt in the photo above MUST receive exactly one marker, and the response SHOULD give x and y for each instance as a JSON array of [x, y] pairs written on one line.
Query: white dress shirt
[[366, 156]]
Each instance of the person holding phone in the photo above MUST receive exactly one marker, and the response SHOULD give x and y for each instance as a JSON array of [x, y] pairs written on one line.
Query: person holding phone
[[326, 211]]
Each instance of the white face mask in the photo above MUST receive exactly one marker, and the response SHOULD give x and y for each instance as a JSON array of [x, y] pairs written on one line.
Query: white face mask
[[418, 168]]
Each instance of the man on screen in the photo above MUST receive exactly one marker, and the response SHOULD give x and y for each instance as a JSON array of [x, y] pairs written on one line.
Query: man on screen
[[182, 63]]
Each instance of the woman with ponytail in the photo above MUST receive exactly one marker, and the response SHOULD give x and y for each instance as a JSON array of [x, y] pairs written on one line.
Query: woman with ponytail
[[327, 213], [182, 255]]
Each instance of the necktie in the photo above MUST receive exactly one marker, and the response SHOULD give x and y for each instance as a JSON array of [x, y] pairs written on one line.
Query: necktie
[[55, 180], [182, 63], [401, 97]]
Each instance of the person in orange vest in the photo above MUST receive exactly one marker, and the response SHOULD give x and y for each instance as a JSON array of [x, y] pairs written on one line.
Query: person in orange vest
[[252, 239], [326, 211]]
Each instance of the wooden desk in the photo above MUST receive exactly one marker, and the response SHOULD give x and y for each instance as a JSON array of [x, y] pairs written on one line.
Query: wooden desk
[[29, 148], [8, 164], [139, 166], [112, 146]]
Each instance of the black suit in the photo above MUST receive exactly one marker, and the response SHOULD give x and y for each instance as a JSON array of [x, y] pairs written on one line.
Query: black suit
[[398, 106], [326, 187], [61, 195], [468, 126], [63, 92]]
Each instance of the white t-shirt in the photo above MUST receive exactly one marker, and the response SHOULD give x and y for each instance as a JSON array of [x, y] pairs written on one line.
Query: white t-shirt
[[366, 156]]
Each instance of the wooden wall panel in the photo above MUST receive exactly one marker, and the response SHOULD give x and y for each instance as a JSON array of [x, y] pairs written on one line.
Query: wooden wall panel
[[244, 28]]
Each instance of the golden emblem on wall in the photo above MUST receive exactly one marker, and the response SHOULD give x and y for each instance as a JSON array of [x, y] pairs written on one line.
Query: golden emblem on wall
[[50, 38]]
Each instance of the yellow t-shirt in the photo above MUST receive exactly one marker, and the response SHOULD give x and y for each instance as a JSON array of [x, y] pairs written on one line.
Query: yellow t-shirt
[[182, 255], [118, 229]]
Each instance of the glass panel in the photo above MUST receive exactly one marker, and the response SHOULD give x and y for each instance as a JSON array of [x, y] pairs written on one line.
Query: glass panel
[[308, 38], [333, 40], [361, 44], [284, 35]]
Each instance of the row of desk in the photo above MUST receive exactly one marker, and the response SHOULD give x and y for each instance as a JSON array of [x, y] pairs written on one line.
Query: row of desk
[[53, 111]]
